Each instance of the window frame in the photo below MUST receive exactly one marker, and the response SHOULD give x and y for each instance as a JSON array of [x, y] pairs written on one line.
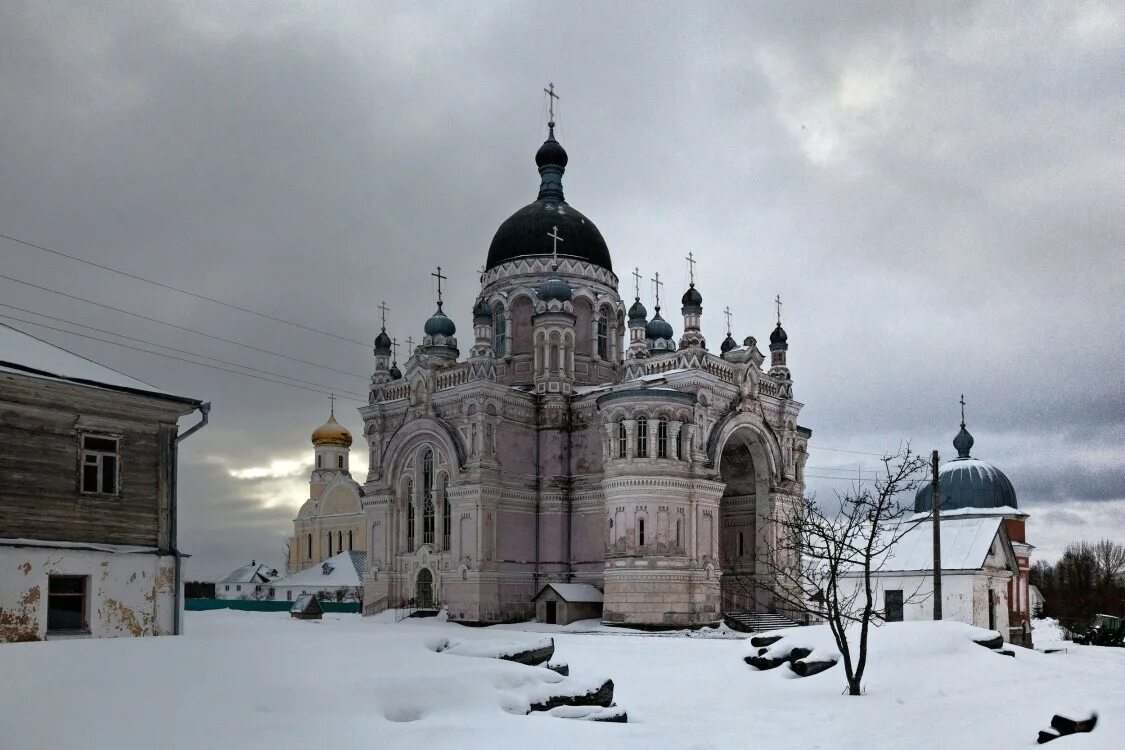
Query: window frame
[[99, 455], [602, 337], [499, 331], [642, 437], [83, 595], [662, 439], [622, 439]]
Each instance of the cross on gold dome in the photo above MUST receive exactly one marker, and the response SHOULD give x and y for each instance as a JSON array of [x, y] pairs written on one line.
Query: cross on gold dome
[[691, 268], [556, 239], [332, 407], [551, 97], [637, 282]]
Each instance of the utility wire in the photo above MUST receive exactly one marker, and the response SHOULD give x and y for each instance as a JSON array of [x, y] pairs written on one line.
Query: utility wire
[[180, 328], [841, 450], [181, 291], [322, 391], [153, 343]]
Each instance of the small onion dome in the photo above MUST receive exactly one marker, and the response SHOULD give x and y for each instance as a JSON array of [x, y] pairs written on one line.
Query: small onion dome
[[439, 325], [727, 345], [967, 482], [692, 297], [749, 342], [383, 343], [482, 312], [332, 433], [963, 442], [658, 327], [638, 315], [555, 288], [551, 153], [396, 374], [779, 336]]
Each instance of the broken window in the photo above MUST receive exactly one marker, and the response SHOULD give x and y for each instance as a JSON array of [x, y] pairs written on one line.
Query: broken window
[[892, 601], [66, 603], [99, 464]]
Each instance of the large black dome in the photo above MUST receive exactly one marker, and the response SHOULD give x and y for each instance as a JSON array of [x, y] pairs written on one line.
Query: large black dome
[[525, 233]]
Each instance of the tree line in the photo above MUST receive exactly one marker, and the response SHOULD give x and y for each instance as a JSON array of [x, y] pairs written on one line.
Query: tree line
[[1088, 580]]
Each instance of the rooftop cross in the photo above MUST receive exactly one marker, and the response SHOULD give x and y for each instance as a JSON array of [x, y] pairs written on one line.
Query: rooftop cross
[[439, 278], [394, 348], [383, 308], [691, 267], [551, 97], [332, 401], [656, 284], [556, 239], [637, 282], [410, 343], [962, 409], [778, 301], [726, 312]]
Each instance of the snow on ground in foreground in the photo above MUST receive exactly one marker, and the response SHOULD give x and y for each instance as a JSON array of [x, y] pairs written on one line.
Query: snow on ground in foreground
[[262, 680], [1049, 634]]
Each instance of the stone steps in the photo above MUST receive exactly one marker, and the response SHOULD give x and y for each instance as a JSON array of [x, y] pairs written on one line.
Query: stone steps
[[757, 622]]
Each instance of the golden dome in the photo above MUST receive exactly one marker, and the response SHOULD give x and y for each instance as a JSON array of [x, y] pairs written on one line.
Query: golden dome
[[332, 433]]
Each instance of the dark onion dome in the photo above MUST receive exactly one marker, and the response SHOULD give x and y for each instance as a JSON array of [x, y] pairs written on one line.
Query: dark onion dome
[[396, 374], [638, 315], [692, 297], [779, 336], [482, 312], [439, 325], [383, 343], [555, 288], [658, 327], [728, 344], [967, 482], [525, 232]]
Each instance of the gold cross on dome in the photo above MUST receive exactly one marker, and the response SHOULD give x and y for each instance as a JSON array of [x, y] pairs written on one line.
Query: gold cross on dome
[[332, 401]]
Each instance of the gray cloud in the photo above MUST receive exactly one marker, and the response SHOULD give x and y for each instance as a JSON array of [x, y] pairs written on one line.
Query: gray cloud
[[934, 190]]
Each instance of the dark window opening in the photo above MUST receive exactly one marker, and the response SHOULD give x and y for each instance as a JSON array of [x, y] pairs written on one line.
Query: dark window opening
[[350, 540], [318, 458], [410, 526], [499, 331], [622, 439], [642, 437], [66, 603], [741, 547], [662, 439], [446, 516], [641, 532], [339, 462], [309, 541], [892, 601], [603, 336], [99, 465]]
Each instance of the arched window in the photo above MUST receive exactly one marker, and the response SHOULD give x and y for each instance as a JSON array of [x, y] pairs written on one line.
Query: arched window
[[741, 548], [309, 545], [499, 331], [662, 439], [339, 462], [446, 515], [680, 443], [409, 526], [340, 541], [428, 497], [603, 336], [679, 532], [642, 437], [428, 520], [318, 462], [350, 546], [641, 533], [329, 544], [622, 439]]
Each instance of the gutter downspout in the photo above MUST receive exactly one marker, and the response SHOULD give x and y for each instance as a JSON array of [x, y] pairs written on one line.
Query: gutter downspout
[[569, 489], [538, 484], [177, 596]]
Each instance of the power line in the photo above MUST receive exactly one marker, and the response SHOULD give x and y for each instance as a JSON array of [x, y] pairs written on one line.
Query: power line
[[324, 392], [841, 450], [153, 343], [181, 291], [180, 328]]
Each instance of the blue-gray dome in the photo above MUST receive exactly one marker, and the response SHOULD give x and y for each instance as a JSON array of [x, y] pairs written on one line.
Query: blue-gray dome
[[396, 374], [967, 482], [658, 327], [439, 324], [555, 288], [779, 336], [383, 343], [482, 312], [637, 313], [728, 344], [692, 298]]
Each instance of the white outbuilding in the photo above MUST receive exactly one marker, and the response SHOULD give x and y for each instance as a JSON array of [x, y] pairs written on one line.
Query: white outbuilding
[[339, 578]]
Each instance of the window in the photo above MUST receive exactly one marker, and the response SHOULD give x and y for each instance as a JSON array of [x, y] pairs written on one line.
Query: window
[[350, 540], [238, 587], [329, 544], [680, 443], [741, 546], [892, 601], [641, 532], [339, 462], [318, 461], [66, 603], [662, 439], [642, 437], [410, 526], [679, 532], [428, 497], [288, 595], [499, 331], [227, 587], [308, 542], [603, 336], [340, 541], [99, 464], [622, 439], [446, 515]]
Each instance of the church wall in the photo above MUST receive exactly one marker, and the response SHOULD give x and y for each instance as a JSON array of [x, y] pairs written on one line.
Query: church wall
[[964, 596]]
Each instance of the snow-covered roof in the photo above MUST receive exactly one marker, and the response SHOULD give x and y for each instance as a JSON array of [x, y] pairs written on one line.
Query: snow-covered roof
[[574, 592], [965, 543], [961, 512], [255, 572], [27, 355], [344, 569], [120, 549]]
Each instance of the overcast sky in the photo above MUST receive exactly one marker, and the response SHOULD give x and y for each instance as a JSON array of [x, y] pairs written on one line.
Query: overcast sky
[[935, 190]]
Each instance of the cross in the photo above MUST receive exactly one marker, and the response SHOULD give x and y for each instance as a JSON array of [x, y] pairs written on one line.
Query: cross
[[637, 282], [332, 400], [656, 284], [410, 343], [962, 409], [726, 312], [555, 244], [778, 301], [383, 308], [439, 278], [394, 348], [691, 267], [551, 97]]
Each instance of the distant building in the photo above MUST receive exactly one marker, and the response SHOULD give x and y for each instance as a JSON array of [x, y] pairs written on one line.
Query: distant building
[[564, 603], [87, 497], [339, 579], [251, 581]]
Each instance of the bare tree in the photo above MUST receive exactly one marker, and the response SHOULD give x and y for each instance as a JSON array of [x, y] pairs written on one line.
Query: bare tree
[[1110, 557], [823, 564]]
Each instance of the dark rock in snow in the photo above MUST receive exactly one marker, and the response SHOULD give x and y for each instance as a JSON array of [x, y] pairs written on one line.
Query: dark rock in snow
[[603, 697], [1062, 726], [559, 666], [804, 668], [765, 640], [532, 657], [994, 642]]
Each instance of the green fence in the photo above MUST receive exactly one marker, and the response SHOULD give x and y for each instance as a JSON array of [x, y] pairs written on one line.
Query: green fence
[[248, 605]]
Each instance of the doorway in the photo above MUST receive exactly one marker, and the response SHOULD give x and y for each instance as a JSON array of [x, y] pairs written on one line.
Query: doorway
[[552, 612], [424, 590]]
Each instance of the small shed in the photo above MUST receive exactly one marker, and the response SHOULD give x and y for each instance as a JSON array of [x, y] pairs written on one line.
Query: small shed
[[306, 608], [564, 603]]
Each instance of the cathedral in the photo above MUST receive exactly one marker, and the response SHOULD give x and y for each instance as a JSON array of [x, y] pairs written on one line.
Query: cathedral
[[578, 442]]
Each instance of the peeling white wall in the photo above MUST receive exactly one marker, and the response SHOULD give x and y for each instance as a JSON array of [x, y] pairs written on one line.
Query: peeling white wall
[[964, 596], [126, 595]]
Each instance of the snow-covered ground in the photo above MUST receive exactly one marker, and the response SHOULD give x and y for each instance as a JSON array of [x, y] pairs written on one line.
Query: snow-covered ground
[[262, 680]]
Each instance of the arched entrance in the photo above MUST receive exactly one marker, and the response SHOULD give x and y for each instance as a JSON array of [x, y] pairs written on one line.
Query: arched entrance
[[424, 590], [743, 467]]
